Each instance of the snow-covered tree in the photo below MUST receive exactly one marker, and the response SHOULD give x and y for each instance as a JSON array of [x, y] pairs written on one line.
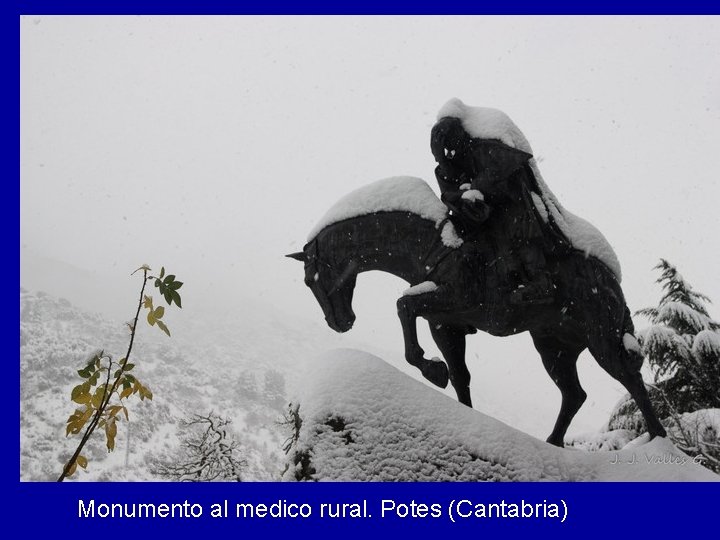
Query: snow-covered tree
[[683, 344]]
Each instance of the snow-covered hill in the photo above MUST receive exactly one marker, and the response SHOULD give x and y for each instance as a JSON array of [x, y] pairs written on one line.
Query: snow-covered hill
[[364, 420], [186, 373]]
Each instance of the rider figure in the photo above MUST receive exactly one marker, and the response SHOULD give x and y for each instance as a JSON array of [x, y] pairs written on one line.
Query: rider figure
[[486, 185]]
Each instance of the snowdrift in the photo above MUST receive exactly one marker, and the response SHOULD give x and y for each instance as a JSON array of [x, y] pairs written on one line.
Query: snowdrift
[[363, 420]]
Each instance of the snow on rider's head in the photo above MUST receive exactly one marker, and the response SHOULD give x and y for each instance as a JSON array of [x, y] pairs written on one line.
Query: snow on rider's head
[[486, 123]]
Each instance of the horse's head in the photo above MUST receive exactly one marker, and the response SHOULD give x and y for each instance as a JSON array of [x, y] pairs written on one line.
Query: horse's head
[[332, 282]]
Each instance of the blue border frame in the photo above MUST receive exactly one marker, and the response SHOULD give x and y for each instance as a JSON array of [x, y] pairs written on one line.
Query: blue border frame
[[39, 509], [619, 509], [366, 7]]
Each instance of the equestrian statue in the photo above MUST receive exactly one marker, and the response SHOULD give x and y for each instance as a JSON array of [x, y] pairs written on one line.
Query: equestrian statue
[[496, 253]]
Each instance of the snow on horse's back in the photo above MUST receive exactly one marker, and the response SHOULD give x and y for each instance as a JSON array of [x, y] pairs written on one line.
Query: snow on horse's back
[[394, 194]]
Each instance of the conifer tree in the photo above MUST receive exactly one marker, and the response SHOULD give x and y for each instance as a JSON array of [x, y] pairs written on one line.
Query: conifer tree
[[683, 344]]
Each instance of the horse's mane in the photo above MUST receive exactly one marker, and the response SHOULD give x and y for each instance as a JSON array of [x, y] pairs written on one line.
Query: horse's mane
[[396, 194]]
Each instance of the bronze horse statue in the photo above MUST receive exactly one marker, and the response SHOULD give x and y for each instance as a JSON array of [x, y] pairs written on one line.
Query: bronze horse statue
[[404, 230]]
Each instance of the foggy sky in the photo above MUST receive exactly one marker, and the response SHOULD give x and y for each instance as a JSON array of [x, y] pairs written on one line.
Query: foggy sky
[[212, 145]]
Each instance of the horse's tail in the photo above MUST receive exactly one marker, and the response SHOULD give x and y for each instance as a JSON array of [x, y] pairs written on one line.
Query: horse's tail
[[630, 342], [622, 325]]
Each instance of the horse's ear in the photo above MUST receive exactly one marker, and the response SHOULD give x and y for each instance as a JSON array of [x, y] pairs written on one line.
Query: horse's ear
[[299, 256]]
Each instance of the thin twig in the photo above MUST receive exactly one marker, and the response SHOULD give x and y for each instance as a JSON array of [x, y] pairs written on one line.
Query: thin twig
[[108, 394]]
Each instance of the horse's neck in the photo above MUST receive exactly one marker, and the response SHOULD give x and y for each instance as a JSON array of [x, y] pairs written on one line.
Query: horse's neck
[[394, 242]]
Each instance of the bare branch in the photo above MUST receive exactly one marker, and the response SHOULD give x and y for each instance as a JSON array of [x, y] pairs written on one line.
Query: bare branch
[[208, 453]]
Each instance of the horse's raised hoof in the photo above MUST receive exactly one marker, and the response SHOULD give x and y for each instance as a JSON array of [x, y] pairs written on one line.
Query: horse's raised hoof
[[436, 371]]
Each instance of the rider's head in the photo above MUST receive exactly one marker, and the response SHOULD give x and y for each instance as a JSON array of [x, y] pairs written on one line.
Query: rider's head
[[463, 159], [450, 145]]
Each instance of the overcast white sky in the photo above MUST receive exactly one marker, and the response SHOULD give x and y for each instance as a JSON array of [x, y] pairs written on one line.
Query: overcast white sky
[[213, 144]]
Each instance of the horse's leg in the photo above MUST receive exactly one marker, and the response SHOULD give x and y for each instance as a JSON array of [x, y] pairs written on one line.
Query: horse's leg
[[560, 361], [409, 309], [451, 342], [624, 366]]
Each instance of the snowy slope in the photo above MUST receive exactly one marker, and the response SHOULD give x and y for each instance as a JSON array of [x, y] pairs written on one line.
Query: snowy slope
[[364, 420], [193, 372]]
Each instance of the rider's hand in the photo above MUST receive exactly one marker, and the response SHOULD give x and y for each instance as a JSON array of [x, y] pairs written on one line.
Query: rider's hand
[[473, 212]]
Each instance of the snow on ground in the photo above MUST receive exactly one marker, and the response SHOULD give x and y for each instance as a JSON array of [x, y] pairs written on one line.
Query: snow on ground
[[487, 123], [603, 441], [364, 420]]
